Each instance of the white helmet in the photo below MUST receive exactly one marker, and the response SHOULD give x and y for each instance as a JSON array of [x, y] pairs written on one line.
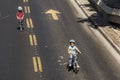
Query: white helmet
[[72, 41], [20, 8]]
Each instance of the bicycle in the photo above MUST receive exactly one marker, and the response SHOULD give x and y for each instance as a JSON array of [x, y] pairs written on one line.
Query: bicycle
[[20, 24], [74, 65], [20, 21]]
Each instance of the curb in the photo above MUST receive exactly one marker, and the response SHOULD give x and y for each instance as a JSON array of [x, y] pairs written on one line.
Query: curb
[[109, 40], [100, 30], [93, 22]]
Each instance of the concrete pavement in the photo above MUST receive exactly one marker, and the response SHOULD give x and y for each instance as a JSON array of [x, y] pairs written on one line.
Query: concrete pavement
[[111, 34]]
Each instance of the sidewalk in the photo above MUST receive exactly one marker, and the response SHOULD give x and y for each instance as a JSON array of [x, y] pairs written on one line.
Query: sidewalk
[[111, 34]]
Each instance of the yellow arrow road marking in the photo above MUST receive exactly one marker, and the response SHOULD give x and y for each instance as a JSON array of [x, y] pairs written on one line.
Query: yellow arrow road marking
[[35, 64], [55, 17], [39, 64], [53, 13]]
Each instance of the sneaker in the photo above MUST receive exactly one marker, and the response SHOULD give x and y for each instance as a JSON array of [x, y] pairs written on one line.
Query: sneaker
[[70, 65], [78, 66]]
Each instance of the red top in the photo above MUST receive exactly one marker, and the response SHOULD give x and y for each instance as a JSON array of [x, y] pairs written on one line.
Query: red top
[[20, 15]]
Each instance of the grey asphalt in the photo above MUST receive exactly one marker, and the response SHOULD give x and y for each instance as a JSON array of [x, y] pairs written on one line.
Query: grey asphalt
[[16, 53]]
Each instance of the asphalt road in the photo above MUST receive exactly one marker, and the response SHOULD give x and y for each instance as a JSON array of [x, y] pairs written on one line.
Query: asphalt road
[[40, 51]]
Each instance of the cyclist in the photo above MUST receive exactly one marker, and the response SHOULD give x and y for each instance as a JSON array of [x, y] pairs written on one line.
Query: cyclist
[[73, 51], [20, 14]]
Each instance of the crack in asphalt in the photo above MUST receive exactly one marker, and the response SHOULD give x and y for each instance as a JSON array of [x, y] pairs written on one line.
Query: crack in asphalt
[[5, 17]]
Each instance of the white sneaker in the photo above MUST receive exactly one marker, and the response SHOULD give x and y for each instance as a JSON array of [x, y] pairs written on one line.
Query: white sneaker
[[78, 66], [70, 65]]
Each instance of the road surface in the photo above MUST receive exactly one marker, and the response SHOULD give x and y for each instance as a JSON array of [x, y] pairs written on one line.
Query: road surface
[[40, 51]]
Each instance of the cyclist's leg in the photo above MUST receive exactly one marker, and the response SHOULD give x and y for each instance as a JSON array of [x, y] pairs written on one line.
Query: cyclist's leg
[[70, 60], [76, 61], [22, 22]]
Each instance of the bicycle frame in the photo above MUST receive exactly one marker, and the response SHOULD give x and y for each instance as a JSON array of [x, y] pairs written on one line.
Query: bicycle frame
[[74, 64], [74, 61], [20, 23]]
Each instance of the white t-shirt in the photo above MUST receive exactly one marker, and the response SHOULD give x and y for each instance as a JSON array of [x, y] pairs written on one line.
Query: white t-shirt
[[72, 49]]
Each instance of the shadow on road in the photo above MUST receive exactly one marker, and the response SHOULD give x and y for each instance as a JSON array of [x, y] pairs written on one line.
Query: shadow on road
[[98, 20]]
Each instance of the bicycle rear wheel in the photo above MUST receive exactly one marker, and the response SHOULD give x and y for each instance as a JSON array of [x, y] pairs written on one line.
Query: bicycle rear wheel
[[75, 69]]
